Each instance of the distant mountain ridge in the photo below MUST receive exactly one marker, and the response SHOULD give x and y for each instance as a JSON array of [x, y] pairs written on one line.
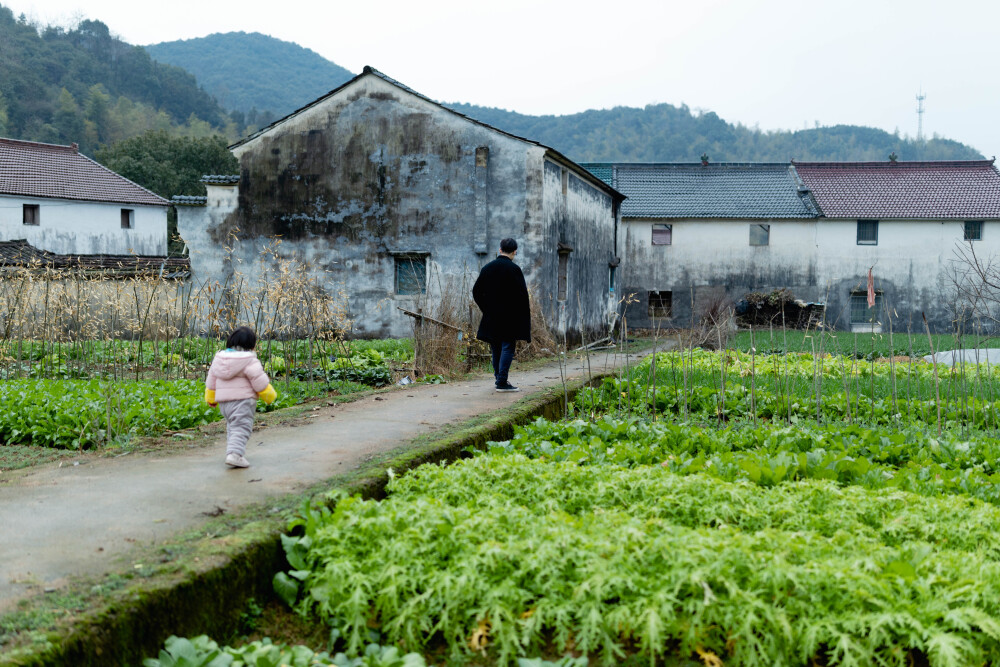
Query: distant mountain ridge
[[248, 71], [82, 84]]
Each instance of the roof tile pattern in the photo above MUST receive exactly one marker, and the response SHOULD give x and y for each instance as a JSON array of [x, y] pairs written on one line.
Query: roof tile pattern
[[940, 190], [20, 253], [32, 169], [723, 190]]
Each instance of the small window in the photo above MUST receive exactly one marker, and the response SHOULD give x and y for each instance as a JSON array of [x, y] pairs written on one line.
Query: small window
[[861, 313], [31, 215], [867, 232], [611, 279], [563, 275], [128, 218], [411, 275], [482, 156], [662, 234], [660, 304], [565, 182], [760, 234], [973, 230]]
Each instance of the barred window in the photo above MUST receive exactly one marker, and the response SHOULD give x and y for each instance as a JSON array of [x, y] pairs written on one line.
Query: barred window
[[867, 232], [973, 230], [660, 304], [860, 312]]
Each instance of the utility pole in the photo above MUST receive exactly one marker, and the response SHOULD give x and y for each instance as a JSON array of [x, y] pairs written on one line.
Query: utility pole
[[920, 116]]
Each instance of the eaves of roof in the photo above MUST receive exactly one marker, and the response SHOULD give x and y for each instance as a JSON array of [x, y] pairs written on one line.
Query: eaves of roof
[[371, 71]]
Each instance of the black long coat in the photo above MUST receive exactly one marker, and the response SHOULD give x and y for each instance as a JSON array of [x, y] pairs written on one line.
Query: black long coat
[[500, 292]]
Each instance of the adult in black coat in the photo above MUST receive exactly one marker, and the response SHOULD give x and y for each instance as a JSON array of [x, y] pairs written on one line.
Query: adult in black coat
[[502, 295]]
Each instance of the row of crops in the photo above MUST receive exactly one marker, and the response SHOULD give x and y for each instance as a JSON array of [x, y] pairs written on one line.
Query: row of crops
[[701, 509], [55, 396]]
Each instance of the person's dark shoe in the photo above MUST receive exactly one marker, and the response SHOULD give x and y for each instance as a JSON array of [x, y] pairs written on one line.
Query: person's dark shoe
[[507, 387]]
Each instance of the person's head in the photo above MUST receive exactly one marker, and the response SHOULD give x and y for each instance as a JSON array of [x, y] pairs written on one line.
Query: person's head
[[243, 338], [508, 247]]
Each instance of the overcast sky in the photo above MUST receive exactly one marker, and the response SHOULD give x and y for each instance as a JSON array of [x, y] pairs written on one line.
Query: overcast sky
[[773, 63]]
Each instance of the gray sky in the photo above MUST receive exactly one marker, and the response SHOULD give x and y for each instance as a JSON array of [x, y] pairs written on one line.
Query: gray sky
[[780, 64]]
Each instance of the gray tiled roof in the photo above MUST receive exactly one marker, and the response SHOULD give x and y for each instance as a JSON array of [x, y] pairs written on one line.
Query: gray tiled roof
[[221, 179], [19, 254], [189, 200], [723, 190]]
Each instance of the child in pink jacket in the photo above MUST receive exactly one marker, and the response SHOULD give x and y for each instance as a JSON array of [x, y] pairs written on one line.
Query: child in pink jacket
[[235, 380]]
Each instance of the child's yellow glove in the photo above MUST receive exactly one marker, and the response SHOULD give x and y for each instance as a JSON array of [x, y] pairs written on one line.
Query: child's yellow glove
[[268, 395], [210, 397]]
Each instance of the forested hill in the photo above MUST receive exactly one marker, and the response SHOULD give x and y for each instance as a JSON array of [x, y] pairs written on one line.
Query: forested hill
[[251, 71], [63, 85], [665, 133]]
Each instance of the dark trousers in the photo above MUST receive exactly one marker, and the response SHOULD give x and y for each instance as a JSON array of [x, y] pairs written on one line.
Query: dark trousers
[[503, 354]]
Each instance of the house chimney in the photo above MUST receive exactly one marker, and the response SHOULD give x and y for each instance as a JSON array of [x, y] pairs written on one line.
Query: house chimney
[[75, 146], [704, 159]]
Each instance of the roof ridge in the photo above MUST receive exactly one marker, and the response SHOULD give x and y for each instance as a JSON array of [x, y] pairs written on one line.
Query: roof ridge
[[898, 164], [72, 148]]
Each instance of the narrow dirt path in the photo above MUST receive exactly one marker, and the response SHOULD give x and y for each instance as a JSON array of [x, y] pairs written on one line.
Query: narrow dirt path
[[60, 521]]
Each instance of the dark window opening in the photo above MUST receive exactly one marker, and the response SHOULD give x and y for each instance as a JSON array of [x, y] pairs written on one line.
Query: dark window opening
[[760, 234], [128, 218], [973, 230], [861, 313], [482, 156], [663, 234], [867, 232], [611, 279], [660, 304], [563, 275], [31, 215], [411, 275]]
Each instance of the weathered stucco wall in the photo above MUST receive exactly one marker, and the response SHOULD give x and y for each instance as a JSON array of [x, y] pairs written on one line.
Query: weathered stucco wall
[[373, 173], [71, 227], [818, 260], [579, 220]]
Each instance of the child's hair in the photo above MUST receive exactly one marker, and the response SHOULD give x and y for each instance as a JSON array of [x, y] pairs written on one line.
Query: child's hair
[[243, 338]]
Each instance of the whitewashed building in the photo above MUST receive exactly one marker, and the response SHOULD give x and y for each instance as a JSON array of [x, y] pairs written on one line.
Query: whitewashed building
[[398, 201], [695, 233], [62, 202]]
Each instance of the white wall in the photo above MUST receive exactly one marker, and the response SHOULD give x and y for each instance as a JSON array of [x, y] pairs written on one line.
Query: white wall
[[819, 260], [69, 227]]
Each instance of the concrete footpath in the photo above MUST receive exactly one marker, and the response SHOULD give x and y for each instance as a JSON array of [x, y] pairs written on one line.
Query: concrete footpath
[[86, 517]]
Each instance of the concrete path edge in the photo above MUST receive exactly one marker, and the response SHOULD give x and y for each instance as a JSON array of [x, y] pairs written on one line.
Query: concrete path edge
[[208, 597]]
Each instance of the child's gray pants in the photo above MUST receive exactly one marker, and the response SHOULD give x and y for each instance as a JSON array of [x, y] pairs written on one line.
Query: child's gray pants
[[239, 423]]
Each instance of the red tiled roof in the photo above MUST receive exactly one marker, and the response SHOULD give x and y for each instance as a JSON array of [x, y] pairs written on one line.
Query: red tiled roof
[[32, 169], [964, 190]]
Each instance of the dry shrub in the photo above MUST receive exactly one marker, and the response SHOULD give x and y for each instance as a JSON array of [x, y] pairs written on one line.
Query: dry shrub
[[714, 325], [439, 350], [543, 342]]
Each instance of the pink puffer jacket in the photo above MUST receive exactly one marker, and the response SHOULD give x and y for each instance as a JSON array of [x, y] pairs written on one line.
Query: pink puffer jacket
[[234, 376]]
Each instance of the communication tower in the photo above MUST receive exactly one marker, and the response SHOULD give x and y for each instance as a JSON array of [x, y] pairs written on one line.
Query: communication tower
[[920, 115]]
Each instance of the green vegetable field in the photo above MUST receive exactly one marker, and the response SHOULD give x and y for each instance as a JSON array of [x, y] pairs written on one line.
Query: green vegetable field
[[701, 509], [90, 394]]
